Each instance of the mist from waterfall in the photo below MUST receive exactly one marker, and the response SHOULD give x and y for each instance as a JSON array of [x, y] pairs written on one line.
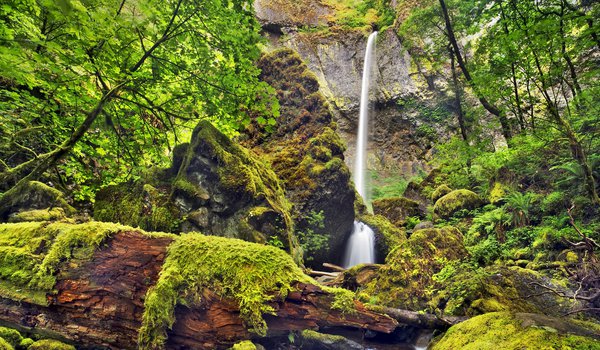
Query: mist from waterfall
[[360, 248]]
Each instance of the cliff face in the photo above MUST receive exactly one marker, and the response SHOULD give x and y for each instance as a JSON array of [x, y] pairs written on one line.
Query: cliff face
[[403, 101]]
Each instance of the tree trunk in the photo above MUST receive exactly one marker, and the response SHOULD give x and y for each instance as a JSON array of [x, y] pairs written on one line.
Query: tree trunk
[[506, 131], [457, 101], [99, 302]]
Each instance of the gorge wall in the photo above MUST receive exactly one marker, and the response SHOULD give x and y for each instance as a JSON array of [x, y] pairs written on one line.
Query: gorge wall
[[409, 109]]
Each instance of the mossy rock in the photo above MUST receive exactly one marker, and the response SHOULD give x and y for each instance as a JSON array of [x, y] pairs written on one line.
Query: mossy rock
[[503, 330], [312, 340], [397, 209], [32, 196], [137, 204], [407, 275], [220, 185], [497, 193], [50, 344], [25, 343], [12, 336], [306, 153], [4, 345], [498, 288], [455, 201], [32, 252], [387, 235], [439, 192], [244, 345]]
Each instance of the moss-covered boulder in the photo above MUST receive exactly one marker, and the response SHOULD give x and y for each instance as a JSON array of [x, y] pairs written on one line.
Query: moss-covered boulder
[[471, 291], [307, 154], [312, 340], [455, 201], [244, 345], [138, 204], [439, 192], [503, 330], [227, 190], [407, 275], [50, 344], [397, 209], [30, 196], [387, 235]]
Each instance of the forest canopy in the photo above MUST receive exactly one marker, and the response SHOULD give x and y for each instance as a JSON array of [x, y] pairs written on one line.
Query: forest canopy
[[95, 91]]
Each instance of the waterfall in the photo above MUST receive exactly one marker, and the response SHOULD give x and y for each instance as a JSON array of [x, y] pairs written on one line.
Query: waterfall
[[361, 245]]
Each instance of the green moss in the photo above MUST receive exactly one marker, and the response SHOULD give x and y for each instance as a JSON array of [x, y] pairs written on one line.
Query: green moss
[[309, 335], [408, 273], [137, 204], [49, 214], [244, 345], [497, 193], [32, 252], [30, 196], [502, 330], [456, 200], [343, 299], [396, 209], [26, 343], [439, 192], [50, 344], [4, 345], [12, 336], [390, 235], [248, 273], [242, 174]]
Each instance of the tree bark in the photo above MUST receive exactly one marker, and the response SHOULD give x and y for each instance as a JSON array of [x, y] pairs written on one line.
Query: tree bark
[[506, 131], [100, 302]]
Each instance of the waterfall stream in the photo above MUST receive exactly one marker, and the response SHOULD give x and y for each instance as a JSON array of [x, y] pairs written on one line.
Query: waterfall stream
[[360, 248]]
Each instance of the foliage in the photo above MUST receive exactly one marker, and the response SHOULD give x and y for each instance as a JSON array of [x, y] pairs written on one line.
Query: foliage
[[310, 241], [50, 344], [116, 84], [357, 14]]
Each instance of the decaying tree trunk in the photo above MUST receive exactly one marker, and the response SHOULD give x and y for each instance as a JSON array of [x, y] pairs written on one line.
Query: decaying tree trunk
[[100, 302]]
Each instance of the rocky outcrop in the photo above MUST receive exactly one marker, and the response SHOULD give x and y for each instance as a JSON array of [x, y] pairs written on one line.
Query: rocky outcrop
[[275, 15], [33, 201], [306, 153], [397, 209], [214, 186]]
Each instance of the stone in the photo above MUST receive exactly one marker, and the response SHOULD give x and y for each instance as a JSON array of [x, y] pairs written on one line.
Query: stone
[[455, 201], [318, 341], [407, 274], [397, 209], [503, 330]]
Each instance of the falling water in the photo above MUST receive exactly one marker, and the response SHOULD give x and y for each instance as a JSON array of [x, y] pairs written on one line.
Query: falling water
[[361, 245]]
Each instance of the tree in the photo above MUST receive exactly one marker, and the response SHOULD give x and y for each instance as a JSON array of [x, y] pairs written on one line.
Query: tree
[[95, 85]]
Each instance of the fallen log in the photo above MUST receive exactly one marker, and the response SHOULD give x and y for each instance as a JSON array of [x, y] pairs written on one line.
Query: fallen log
[[99, 301], [418, 319], [334, 267]]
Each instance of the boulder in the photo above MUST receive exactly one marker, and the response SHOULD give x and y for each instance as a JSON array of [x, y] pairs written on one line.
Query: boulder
[[455, 201], [439, 192], [503, 330], [407, 275], [397, 209], [312, 340], [32, 196], [387, 235]]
